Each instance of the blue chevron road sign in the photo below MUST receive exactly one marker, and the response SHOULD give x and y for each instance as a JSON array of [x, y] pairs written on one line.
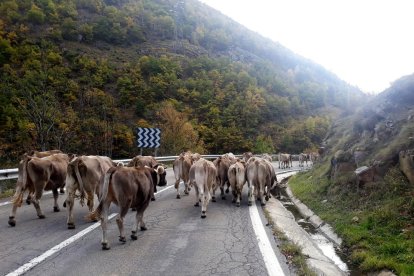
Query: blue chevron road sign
[[148, 137]]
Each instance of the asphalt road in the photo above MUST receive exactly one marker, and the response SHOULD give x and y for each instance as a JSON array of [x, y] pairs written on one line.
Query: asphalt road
[[177, 242]]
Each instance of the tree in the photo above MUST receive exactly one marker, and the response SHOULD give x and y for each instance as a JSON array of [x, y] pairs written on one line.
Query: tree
[[177, 134]]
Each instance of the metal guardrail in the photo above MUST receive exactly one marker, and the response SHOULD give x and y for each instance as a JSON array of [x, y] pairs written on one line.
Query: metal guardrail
[[13, 173]]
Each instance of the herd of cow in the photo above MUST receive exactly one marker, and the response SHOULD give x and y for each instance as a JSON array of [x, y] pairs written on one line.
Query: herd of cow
[[133, 186]]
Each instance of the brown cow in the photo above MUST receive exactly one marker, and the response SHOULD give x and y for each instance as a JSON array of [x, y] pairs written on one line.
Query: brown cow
[[237, 178], [35, 153], [181, 167], [83, 174], [203, 174], [222, 164], [150, 161], [127, 187], [38, 174]]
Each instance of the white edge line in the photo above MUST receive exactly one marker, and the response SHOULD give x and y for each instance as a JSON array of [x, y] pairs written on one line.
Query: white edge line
[[272, 263], [35, 261]]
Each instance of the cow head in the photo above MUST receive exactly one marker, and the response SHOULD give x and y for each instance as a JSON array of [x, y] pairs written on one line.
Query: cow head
[[161, 174]]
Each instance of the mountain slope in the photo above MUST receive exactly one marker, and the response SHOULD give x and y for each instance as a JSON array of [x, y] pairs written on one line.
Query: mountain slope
[[81, 75]]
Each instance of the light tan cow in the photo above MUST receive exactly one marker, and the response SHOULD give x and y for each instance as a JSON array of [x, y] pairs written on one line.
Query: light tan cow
[[203, 174], [237, 178], [38, 174], [285, 160], [83, 175], [127, 187], [303, 158], [260, 178], [181, 168]]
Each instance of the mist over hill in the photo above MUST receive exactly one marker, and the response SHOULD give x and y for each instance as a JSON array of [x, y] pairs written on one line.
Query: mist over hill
[[82, 75]]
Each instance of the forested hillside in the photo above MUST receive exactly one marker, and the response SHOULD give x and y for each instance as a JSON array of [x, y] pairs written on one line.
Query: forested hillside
[[82, 75]]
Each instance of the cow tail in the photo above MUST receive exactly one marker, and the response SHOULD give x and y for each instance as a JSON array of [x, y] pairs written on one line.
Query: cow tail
[[96, 214], [81, 186]]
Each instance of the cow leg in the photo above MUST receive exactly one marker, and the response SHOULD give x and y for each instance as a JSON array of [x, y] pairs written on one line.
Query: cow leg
[[214, 193], [69, 207], [89, 196], [177, 187], [29, 199], [223, 196], [250, 193], [120, 219], [17, 202], [104, 225], [35, 201], [261, 195], [197, 204], [139, 221], [203, 199], [55, 197]]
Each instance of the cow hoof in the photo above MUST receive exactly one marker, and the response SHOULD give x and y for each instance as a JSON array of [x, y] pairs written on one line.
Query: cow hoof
[[56, 209], [71, 226], [28, 201], [105, 246], [262, 203], [133, 209], [223, 197], [197, 204], [249, 203], [227, 191], [122, 239], [186, 192], [238, 204], [64, 204], [143, 228], [134, 237], [189, 188], [12, 221], [203, 214], [178, 196], [42, 216], [213, 199], [267, 198], [62, 191], [152, 198]]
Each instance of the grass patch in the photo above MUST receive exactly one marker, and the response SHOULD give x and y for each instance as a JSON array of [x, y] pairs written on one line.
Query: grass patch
[[376, 224], [7, 188], [292, 252]]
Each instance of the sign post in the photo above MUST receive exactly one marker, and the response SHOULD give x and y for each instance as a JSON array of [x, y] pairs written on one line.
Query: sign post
[[148, 138]]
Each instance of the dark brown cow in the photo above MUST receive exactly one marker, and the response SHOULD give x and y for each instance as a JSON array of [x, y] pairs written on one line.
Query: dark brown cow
[[83, 174], [150, 161], [203, 175], [127, 187], [38, 174], [181, 167]]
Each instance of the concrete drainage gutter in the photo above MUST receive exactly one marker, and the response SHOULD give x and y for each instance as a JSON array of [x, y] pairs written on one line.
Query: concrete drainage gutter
[[285, 221]]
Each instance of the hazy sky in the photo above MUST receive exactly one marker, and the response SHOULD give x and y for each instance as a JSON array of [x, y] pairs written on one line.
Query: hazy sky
[[367, 43]]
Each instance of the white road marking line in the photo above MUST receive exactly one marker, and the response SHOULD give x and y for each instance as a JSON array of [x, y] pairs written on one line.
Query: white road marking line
[[35, 261], [272, 263]]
